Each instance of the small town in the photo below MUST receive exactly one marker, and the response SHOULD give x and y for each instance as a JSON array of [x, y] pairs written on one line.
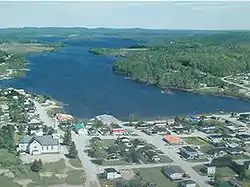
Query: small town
[[200, 150], [124, 93]]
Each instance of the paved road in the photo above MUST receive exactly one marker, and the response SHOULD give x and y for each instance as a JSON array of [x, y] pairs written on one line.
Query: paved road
[[90, 168], [236, 84], [137, 166], [173, 154], [44, 115]]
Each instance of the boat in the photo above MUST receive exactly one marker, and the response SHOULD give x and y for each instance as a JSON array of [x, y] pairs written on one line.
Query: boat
[[166, 91]]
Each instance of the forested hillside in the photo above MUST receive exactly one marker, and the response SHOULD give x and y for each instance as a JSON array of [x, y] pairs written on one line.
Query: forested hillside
[[187, 62], [191, 62]]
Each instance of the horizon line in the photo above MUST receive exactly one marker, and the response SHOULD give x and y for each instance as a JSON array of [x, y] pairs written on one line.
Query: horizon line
[[119, 28]]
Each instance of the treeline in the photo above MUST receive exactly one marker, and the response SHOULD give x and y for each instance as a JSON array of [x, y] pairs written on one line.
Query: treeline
[[227, 161]]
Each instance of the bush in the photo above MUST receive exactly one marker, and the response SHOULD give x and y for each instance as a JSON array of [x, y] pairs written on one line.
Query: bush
[[36, 166]]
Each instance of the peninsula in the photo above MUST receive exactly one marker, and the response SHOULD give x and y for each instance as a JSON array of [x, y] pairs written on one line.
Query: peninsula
[[215, 63]]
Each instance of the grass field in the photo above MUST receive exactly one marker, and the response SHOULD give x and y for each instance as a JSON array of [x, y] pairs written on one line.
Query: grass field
[[55, 167], [54, 174], [107, 142], [205, 148], [75, 177], [194, 141], [155, 175], [198, 168], [239, 157], [7, 182], [75, 162], [225, 172]]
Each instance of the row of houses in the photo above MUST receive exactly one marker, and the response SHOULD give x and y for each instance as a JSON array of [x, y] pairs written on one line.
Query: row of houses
[[172, 172]]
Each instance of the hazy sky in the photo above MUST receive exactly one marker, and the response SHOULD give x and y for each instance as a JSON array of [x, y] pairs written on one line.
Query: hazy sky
[[168, 15]]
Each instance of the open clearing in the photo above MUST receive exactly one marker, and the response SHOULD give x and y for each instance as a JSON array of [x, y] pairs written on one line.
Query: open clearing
[[54, 173], [156, 176], [194, 141]]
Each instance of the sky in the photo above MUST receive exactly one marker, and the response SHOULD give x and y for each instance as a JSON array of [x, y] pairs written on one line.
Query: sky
[[128, 14]]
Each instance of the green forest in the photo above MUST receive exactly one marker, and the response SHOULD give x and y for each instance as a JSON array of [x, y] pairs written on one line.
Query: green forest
[[189, 63]]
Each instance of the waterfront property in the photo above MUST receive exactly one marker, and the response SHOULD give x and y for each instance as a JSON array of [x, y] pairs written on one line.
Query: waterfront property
[[36, 145], [80, 129]]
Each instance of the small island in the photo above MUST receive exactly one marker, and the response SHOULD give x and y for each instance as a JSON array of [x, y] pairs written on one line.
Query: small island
[[207, 64]]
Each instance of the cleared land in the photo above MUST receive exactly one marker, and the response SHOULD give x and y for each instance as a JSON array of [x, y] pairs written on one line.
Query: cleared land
[[156, 176]]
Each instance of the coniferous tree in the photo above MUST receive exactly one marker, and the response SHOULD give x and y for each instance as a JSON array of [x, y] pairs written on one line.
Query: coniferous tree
[[36, 167], [67, 137], [72, 150]]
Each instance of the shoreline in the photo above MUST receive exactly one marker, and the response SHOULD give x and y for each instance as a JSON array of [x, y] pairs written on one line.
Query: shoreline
[[193, 91], [38, 48]]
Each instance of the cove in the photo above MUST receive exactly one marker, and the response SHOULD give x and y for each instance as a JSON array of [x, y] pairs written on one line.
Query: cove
[[87, 85]]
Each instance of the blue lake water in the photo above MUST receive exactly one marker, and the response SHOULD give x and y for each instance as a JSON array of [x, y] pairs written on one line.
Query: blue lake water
[[87, 85]]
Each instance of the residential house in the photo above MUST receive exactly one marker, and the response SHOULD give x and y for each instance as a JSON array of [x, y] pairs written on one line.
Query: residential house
[[111, 173], [232, 145], [215, 138], [37, 132], [237, 128], [152, 156], [172, 140], [118, 131], [113, 156], [36, 145], [80, 129], [217, 152], [173, 172], [189, 152], [188, 183], [182, 129], [208, 129], [64, 117], [124, 139], [247, 165], [235, 151], [209, 169], [245, 138]]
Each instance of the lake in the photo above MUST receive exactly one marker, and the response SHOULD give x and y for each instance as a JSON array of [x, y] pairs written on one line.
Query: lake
[[87, 85]]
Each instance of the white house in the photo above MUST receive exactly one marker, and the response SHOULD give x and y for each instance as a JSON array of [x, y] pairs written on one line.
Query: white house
[[209, 169], [36, 145], [38, 132], [188, 183], [111, 173], [173, 172]]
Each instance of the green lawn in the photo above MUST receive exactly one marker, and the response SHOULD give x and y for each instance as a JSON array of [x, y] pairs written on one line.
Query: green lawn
[[75, 177], [246, 182], [155, 175], [205, 148], [55, 167], [114, 163], [239, 157], [107, 142], [194, 141], [7, 182], [225, 172], [198, 160], [165, 159], [76, 162], [198, 168]]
